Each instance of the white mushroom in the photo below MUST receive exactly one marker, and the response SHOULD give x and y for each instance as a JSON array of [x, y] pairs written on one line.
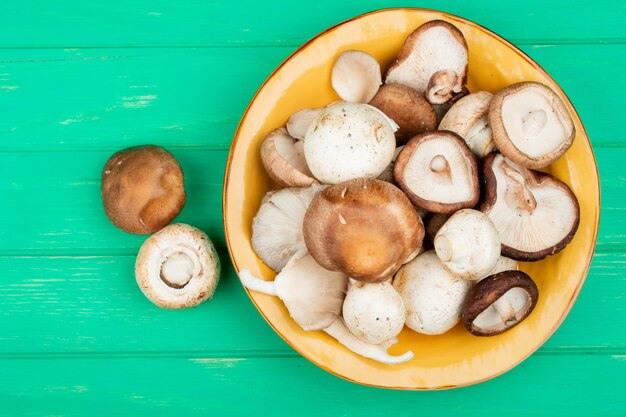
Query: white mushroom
[[535, 214], [504, 264], [468, 244], [177, 267], [531, 125], [283, 160], [468, 118], [348, 141], [373, 312], [277, 226], [314, 298], [433, 61], [356, 76], [299, 122], [431, 294]]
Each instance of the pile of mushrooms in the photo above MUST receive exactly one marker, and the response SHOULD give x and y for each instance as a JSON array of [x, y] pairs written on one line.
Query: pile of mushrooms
[[142, 191], [346, 235]]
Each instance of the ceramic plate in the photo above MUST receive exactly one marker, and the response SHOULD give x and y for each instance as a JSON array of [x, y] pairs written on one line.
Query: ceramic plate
[[455, 358]]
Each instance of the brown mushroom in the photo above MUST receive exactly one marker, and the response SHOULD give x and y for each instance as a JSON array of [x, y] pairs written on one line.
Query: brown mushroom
[[433, 61], [530, 124], [438, 172], [405, 106], [283, 160], [536, 215], [142, 189], [499, 302], [365, 228]]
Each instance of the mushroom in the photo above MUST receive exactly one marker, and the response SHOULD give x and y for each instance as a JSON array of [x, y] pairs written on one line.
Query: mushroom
[[387, 174], [177, 267], [535, 214], [432, 295], [468, 244], [314, 297], [499, 302], [530, 124], [373, 312], [468, 118], [277, 226], [283, 160], [142, 189], [408, 108], [348, 141], [356, 76], [438, 172], [442, 109], [299, 122], [504, 264], [433, 61], [365, 228]]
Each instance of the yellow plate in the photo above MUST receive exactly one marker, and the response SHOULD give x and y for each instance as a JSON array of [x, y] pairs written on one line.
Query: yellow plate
[[456, 358]]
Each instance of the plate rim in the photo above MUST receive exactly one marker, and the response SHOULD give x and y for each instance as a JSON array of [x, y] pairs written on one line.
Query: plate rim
[[523, 55]]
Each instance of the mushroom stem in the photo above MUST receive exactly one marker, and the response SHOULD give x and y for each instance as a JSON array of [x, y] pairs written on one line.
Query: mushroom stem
[[534, 122], [180, 266], [451, 247], [522, 198], [340, 332], [441, 86], [439, 164], [504, 308], [256, 284]]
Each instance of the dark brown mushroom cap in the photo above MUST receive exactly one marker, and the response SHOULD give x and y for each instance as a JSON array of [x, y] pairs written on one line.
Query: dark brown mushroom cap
[[433, 60], [484, 294], [408, 108], [142, 189], [536, 214], [365, 228], [433, 223], [530, 124], [438, 172]]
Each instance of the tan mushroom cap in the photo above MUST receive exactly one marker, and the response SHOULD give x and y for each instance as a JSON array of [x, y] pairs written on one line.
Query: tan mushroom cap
[[530, 124], [177, 267], [405, 106], [536, 214], [469, 118], [142, 189], [433, 61], [299, 122], [283, 160], [356, 76], [366, 228], [438, 172]]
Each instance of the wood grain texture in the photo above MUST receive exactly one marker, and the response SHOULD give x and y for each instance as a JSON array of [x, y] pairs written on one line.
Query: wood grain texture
[[80, 80]]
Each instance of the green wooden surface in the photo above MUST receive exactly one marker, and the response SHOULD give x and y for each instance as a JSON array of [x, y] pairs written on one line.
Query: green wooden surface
[[80, 80]]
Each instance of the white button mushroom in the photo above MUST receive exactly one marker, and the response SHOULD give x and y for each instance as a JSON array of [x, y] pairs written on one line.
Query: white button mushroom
[[432, 295], [349, 141], [277, 226], [374, 313], [468, 244], [177, 267]]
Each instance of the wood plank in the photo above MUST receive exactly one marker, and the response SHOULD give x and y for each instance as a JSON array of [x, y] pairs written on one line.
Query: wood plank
[[58, 195], [541, 386], [87, 99], [37, 23], [92, 306]]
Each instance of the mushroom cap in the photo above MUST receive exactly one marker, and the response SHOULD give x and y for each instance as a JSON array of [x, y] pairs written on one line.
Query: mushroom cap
[[530, 124], [283, 160], [374, 313], [469, 118], [535, 214], [432, 295], [356, 76], [348, 141], [408, 108], [433, 61], [277, 226], [365, 228], [468, 244], [142, 189], [499, 302], [313, 295], [438, 172], [299, 122], [177, 267]]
